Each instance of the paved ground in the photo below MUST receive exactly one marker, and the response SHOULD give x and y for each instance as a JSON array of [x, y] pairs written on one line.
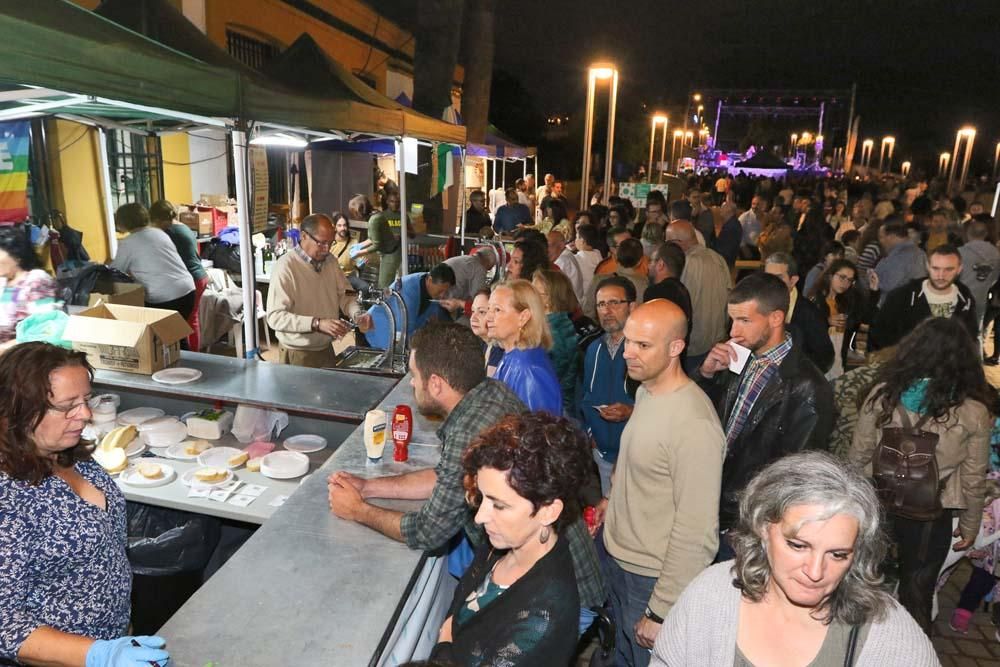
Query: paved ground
[[980, 647]]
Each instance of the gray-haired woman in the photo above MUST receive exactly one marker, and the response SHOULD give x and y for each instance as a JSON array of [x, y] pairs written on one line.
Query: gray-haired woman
[[805, 587]]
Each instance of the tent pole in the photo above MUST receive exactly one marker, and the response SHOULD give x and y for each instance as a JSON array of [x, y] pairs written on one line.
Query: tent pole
[[109, 212], [524, 170], [404, 238], [462, 193], [247, 278], [504, 172]]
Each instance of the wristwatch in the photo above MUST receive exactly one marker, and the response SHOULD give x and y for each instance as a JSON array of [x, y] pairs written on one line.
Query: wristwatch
[[651, 616], [314, 326]]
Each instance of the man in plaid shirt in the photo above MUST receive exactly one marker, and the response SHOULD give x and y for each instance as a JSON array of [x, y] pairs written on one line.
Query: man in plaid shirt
[[449, 380], [777, 404]]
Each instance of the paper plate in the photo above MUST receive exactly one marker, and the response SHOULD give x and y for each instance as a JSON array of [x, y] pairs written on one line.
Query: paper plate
[[133, 478], [218, 457], [163, 432], [135, 447], [305, 444], [177, 452], [176, 375], [136, 416], [284, 465], [188, 479]]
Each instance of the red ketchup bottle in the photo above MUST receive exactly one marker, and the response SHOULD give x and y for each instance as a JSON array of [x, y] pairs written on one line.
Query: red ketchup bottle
[[402, 429]]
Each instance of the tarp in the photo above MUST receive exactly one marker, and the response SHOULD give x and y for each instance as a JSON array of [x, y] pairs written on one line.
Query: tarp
[[763, 160], [54, 44], [305, 67]]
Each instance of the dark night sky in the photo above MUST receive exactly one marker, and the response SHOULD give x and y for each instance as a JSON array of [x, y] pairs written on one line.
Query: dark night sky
[[923, 67]]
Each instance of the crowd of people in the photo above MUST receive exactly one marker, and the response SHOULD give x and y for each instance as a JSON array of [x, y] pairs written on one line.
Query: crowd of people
[[725, 459]]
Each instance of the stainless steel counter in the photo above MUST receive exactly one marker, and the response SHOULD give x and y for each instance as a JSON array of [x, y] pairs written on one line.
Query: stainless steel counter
[[307, 391], [311, 589]]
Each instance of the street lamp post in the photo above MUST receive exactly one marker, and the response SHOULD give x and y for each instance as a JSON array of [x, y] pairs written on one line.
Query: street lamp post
[[866, 152], [793, 144], [996, 160], [663, 152], [678, 141], [657, 119], [969, 134], [905, 168], [595, 72], [886, 141], [943, 160]]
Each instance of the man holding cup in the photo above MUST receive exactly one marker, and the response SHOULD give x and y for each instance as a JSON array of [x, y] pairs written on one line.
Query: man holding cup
[[771, 399]]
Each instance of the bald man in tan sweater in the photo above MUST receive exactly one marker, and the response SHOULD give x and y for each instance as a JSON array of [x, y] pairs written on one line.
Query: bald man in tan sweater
[[663, 511], [307, 296]]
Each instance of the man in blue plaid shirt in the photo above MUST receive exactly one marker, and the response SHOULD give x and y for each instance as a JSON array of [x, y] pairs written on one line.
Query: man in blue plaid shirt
[[448, 377], [777, 404]]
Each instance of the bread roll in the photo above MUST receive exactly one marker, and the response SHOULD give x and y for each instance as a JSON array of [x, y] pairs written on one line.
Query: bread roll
[[112, 460], [196, 447], [149, 470], [238, 459], [119, 438], [210, 474], [253, 465]]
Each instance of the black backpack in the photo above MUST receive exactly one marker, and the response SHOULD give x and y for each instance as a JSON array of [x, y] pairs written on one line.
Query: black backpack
[[906, 471]]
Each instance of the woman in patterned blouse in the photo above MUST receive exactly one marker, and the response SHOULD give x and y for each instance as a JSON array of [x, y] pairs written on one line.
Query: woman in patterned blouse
[[64, 576]]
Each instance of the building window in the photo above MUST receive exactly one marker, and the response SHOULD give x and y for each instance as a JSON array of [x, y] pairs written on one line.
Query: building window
[[135, 164], [252, 52]]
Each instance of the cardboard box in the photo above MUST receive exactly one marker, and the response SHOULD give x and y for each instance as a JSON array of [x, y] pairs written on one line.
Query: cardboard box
[[127, 338], [126, 294]]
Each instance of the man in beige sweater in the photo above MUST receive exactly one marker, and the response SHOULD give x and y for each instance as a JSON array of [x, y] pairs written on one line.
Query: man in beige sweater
[[662, 516], [307, 295]]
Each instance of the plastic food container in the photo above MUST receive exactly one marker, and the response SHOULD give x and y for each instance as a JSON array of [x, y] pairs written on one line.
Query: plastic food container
[[284, 465], [162, 432]]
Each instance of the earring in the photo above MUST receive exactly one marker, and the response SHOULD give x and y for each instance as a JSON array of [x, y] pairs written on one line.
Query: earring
[[544, 535]]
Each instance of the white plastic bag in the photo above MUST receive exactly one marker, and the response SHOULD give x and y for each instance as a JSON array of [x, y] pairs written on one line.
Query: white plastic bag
[[253, 423]]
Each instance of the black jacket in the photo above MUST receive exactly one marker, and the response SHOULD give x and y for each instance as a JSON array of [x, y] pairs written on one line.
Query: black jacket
[[906, 307], [810, 331], [794, 412], [534, 622], [861, 310]]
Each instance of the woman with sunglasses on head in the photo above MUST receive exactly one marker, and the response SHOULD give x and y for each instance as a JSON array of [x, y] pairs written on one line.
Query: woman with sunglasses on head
[[65, 579]]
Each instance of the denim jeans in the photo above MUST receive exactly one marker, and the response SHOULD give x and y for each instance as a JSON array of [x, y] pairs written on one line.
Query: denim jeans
[[604, 467], [630, 594], [922, 547]]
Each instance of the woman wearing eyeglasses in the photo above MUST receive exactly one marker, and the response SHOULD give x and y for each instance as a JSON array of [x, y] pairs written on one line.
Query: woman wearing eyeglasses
[[65, 579], [844, 306]]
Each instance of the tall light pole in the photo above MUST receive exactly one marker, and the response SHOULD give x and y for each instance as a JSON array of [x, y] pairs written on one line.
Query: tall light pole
[[794, 142], [866, 152], [657, 119], [996, 160], [886, 141], [905, 168], [943, 160], [969, 134], [678, 141], [663, 152], [598, 71]]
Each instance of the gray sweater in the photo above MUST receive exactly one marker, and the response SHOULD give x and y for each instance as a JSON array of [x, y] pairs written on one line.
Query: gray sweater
[[701, 630]]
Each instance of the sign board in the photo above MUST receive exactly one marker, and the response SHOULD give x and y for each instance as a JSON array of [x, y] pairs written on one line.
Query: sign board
[[637, 192], [258, 166]]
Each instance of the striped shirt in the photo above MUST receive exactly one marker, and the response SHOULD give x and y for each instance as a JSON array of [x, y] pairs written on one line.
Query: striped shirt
[[756, 375]]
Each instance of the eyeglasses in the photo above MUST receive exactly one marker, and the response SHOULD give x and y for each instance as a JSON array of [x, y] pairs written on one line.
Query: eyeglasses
[[70, 411], [322, 244], [846, 279], [611, 303]]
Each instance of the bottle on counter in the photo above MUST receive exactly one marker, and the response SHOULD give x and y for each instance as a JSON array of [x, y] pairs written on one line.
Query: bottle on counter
[[402, 430], [374, 434], [267, 259]]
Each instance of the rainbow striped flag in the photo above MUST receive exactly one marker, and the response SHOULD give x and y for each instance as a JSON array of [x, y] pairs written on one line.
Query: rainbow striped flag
[[14, 171]]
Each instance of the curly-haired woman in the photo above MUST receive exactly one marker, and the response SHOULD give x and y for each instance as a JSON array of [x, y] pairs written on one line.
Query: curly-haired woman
[[805, 588], [517, 603], [936, 382]]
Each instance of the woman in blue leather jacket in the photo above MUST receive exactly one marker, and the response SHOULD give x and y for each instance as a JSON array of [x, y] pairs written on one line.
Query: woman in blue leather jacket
[[517, 322]]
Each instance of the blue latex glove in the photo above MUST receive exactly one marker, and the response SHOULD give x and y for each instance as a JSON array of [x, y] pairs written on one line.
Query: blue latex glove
[[123, 652], [354, 250]]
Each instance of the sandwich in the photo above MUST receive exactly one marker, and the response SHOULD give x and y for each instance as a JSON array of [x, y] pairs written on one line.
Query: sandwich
[[112, 460], [238, 459], [253, 465]]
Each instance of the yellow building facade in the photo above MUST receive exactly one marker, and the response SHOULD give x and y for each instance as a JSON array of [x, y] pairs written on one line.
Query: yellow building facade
[[350, 31]]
